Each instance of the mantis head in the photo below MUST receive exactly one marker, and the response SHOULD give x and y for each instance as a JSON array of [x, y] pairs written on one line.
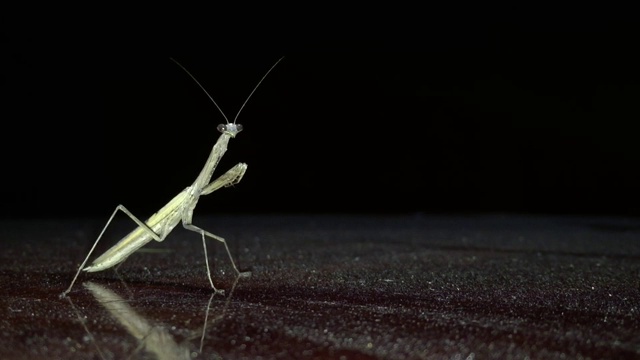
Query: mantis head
[[231, 129]]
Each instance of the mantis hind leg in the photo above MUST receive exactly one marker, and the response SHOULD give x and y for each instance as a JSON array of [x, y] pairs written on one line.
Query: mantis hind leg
[[133, 217]]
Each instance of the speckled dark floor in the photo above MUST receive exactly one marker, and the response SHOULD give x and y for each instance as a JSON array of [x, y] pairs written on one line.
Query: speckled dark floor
[[415, 287]]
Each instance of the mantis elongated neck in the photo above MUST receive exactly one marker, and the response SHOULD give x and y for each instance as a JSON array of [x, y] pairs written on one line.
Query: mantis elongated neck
[[216, 154]]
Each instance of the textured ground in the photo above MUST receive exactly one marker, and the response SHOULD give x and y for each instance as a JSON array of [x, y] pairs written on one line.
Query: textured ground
[[338, 287]]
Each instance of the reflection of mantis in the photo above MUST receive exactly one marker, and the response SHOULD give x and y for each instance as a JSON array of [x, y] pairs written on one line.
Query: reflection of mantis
[[180, 208], [154, 339]]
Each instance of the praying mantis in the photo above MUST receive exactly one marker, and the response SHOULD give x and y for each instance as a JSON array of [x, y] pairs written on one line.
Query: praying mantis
[[181, 207]]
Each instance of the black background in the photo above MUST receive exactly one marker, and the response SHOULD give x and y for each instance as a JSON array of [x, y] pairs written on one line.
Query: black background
[[368, 113]]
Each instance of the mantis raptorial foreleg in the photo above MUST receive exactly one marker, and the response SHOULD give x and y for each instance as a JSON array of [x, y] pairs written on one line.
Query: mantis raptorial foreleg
[[230, 178]]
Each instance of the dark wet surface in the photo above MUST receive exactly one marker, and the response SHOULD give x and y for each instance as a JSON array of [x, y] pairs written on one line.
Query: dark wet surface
[[487, 287]]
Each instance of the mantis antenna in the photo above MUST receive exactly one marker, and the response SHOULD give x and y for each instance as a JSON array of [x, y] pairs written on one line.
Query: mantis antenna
[[211, 98]]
